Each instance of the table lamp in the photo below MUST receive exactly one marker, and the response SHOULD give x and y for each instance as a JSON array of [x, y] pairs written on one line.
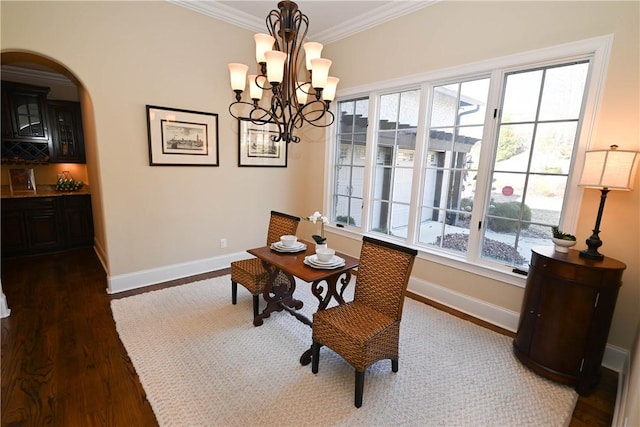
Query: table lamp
[[606, 170]]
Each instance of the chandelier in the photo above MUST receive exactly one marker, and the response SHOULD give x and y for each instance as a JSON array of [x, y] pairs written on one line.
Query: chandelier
[[295, 98]]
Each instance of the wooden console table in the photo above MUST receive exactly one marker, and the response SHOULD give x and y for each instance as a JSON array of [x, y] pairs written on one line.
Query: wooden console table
[[566, 315]]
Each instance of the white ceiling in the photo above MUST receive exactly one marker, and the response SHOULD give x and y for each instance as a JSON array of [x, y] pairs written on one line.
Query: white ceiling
[[329, 20]]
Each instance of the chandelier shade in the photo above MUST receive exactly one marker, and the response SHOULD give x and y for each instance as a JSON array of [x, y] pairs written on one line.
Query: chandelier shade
[[296, 98]]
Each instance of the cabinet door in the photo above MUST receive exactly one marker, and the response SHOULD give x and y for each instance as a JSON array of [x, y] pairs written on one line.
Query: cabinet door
[[43, 224], [563, 321], [26, 112], [14, 233], [78, 219], [67, 139]]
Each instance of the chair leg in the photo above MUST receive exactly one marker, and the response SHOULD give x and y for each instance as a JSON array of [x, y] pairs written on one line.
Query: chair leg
[[234, 292], [359, 388], [256, 305], [315, 357], [394, 365]]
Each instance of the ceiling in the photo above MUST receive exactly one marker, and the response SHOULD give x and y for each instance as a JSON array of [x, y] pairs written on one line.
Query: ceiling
[[329, 20]]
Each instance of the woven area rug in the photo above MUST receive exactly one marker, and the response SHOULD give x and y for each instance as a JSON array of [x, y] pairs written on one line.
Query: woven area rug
[[203, 363]]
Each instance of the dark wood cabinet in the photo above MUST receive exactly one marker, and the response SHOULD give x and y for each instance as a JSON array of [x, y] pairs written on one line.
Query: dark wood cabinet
[[25, 129], [566, 315], [37, 130], [67, 140], [35, 225]]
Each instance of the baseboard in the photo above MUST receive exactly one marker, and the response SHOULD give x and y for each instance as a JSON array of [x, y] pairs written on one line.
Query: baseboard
[[141, 279], [614, 357]]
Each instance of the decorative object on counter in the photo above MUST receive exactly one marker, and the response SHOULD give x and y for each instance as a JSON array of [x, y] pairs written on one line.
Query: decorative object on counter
[[22, 181], [319, 238], [606, 170], [67, 183], [182, 137], [563, 241], [279, 58], [257, 146]]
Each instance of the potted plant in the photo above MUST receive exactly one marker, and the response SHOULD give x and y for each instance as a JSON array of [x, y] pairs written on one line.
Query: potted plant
[[562, 241]]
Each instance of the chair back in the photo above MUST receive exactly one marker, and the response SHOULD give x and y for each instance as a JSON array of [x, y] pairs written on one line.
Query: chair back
[[383, 276], [281, 224]]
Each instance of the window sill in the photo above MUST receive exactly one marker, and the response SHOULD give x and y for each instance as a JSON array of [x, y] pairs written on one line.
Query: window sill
[[484, 270]]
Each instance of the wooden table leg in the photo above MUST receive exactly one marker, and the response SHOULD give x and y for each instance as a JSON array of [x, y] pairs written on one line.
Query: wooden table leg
[[324, 298], [278, 295]]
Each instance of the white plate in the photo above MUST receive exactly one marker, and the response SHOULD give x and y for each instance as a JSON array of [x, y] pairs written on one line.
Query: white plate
[[278, 246], [335, 261], [323, 267]]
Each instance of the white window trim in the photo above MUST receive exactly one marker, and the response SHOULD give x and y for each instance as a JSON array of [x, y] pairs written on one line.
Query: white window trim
[[600, 50]]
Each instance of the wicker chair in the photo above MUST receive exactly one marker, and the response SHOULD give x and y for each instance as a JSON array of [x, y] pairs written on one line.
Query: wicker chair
[[249, 272], [368, 328]]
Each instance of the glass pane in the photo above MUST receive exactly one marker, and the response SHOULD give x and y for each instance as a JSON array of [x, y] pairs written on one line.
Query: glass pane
[[402, 184], [399, 219], [563, 92], [440, 139], [505, 188], [407, 138], [444, 106], [344, 153], [405, 158], [355, 211], [345, 124], [430, 231], [514, 144], [359, 154], [521, 97], [409, 108], [380, 217], [382, 185], [545, 196], [387, 139], [388, 111], [473, 105], [553, 147], [384, 156], [501, 248], [357, 181], [341, 207], [343, 180]]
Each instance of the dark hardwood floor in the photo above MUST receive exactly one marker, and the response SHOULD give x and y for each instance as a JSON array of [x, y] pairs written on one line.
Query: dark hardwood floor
[[64, 365]]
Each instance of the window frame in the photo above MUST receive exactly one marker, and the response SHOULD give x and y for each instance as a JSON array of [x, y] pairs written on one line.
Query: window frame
[[598, 51]]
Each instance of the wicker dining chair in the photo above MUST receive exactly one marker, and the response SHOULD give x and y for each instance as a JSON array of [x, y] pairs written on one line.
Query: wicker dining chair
[[368, 328], [249, 272]]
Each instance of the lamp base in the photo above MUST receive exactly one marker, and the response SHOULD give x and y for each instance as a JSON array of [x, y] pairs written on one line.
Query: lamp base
[[591, 254]]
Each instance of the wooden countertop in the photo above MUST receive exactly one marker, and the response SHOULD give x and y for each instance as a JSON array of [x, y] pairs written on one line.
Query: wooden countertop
[[43, 191]]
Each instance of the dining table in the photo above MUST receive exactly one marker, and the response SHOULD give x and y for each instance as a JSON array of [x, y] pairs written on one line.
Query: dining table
[[283, 267]]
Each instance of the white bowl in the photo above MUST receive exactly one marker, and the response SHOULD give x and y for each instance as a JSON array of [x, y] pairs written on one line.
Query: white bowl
[[325, 254], [288, 240], [562, 245]]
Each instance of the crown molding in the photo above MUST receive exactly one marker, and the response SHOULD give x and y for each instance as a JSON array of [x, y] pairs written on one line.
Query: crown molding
[[387, 12], [10, 72]]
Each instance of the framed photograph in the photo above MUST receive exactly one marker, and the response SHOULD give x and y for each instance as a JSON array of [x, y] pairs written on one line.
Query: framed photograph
[[22, 181], [256, 146], [182, 137]]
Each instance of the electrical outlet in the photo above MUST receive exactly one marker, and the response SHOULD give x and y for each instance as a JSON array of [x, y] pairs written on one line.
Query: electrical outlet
[[223, 243]]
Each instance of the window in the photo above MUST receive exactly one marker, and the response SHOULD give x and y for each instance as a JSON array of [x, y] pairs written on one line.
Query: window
[[475, 168]]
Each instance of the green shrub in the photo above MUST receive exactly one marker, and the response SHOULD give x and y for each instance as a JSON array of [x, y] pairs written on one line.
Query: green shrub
[[508, 211], [343, 219]]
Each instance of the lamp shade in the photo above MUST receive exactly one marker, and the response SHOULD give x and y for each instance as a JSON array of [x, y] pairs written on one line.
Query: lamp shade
[[264, 43], [256, 83], [238, 74], [275, 65], [320, 72], [302, 90], [612, 169], [312, 50], [329, 92]]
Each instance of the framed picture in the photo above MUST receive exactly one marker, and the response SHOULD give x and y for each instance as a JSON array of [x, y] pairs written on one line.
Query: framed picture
[[182, 137], [256, 146], [22, 181]]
